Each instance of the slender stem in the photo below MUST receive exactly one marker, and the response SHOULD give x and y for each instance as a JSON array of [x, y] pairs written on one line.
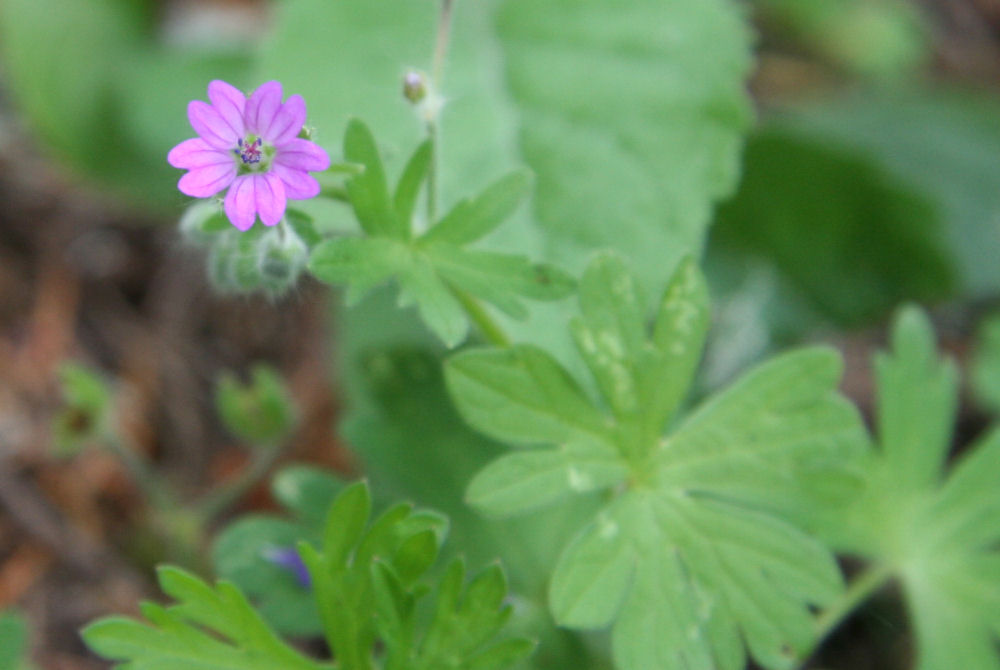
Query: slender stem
[[489, 328], [437, 80], [862, 587], [441, 43], [140, 472], [338, 193], [235, 488], [432, 181]]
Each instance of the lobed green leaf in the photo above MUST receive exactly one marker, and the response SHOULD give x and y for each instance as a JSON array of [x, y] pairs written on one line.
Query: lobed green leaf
[[474, 218], [701, 550], [369, 191]]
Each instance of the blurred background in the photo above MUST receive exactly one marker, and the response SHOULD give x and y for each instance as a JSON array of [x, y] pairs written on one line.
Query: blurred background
[[871, 177]]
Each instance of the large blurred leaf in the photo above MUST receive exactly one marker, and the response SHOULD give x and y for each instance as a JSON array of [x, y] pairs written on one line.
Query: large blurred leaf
[[631, 124], [946, 145], [874, 37], [94, 86], [58, 57], [853, 238]]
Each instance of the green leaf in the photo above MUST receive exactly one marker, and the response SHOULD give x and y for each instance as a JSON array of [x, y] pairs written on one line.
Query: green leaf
[[13, 640], [366, 582], [499, 278], [245, 551], [306, 490], [438, 307], [369, 191], [88, 404], [408, 188], [631, 130], [465, 620], [701, 548], [178, 636], [521, 482], [886, 39], [936, 532], [65, 105], [848, 235], [472, 219], [345, 521], [415, 445], [431, 274], [985, 367], [522, 395], [916, 403], [941, 143], [610, 103], [362, 263]]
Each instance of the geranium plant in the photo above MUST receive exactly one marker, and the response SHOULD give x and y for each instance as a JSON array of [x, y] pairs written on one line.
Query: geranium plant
[[548, 375]]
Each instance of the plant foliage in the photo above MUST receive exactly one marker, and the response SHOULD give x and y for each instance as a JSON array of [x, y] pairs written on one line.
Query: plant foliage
[[366, 578], [935, 528], [434, 270], [695, 555]]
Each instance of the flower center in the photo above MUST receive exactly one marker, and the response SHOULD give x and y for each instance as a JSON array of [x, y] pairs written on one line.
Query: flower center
[[252, 155], [249, 151]]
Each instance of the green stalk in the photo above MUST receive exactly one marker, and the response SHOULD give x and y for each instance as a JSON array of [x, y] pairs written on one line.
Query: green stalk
[[231, 491], [437, 80], [489, 328], [861, 588], [159, 496]]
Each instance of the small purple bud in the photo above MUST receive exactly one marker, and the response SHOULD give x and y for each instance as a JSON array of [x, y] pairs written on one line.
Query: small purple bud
[[414, 86], [288, 559]]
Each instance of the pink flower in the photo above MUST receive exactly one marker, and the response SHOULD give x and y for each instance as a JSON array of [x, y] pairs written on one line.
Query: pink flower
[[250, 146]]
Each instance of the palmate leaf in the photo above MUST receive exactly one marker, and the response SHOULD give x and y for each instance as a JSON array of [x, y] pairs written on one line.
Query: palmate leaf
[[696, 555], [432, 269], [366, 578], [937, 533]]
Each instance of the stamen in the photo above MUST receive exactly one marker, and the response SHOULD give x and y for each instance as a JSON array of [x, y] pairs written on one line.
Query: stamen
[[249, 152]]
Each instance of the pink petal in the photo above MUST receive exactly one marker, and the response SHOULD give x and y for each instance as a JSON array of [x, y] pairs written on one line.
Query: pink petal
[[300, 154], [287, 122], [196, 153], [204, 182], [207, 122], [240, 203], [262, 106], [229, 102], [269, 192], [298, 184]]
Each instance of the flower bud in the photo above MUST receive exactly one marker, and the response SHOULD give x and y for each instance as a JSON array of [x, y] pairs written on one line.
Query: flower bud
[[202, 222], [261, 412], [415, 86], [281, 257], [86, 408]]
